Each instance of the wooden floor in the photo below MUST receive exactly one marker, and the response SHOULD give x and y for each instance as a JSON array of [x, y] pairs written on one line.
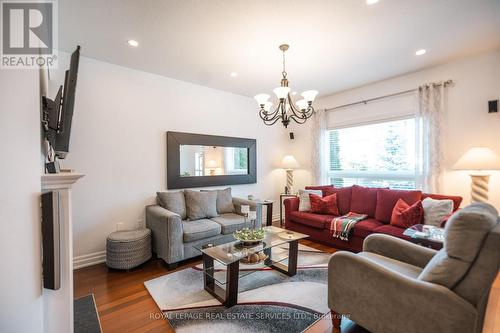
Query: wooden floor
[[124, 304]]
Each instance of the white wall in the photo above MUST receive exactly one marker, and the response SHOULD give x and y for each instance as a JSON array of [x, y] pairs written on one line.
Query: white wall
[[119, 142], [21, 305], [466, 123]]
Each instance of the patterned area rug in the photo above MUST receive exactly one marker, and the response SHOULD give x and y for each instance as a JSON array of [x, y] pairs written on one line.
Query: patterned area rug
[[268, 301]]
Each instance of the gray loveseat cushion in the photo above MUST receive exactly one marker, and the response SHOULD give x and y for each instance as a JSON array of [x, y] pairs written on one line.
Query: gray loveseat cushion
[[173, 201], [230, 222], [200, 205], [464, 235], [199, 229], [224, 200]]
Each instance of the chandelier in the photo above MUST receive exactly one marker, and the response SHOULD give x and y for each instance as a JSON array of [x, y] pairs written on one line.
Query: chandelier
[[286, 110]]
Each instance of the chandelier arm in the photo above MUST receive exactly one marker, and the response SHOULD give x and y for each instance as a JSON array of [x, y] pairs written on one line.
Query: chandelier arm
[[270, 122], [298, 120], [299, 113], [268, 116]]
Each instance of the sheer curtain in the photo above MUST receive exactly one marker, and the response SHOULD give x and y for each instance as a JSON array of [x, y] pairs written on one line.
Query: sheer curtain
[[429, 114], [319, 156]]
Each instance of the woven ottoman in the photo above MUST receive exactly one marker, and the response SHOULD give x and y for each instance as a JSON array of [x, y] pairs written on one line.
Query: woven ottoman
[[128, 249]]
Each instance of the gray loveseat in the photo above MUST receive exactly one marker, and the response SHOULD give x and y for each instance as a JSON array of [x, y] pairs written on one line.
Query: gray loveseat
[[184, 219], [397, 286]]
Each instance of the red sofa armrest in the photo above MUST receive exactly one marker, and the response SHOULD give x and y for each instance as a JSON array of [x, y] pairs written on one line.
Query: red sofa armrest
[[291, 205]]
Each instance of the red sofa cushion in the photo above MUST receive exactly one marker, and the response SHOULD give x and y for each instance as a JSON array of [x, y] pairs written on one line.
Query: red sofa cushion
[[392, 231], [312, 220], [344, 195], [364, 228], [456, 199], [404, 215], [364, 200], [326, 205], [386, 200], [323, 188]]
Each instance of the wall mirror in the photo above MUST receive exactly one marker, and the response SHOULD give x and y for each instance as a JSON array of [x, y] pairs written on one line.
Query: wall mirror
[[199, 160]]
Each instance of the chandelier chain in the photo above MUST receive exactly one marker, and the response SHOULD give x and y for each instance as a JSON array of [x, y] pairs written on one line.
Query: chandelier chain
[[284, 73]]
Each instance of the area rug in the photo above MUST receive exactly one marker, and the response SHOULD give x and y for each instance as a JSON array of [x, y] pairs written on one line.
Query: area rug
[[85, 315], [268, 301]]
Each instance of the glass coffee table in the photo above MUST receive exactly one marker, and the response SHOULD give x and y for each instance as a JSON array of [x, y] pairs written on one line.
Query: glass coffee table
[[222, 283]]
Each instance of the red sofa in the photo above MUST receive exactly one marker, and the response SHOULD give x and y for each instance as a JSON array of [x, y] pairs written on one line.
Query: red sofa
[[377, 203]]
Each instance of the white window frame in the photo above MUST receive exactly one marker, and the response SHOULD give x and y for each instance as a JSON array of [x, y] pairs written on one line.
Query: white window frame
[[374, 175]]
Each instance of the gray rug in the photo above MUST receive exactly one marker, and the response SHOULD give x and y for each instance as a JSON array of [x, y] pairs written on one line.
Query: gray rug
[[86, 319], [268, 301]]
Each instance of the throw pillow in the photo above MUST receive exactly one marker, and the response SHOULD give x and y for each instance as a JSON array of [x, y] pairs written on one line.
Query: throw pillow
[[325, 189], [436, 210], [387, 199], [224, 200], [201, 205], [404, 215], [304, 202], [173, 201], [326, 205], [343, 198]]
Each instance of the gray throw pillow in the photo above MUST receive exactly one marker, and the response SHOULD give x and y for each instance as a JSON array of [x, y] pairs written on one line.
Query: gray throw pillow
[[224, 200], [304, 202], [200, 205], [173, 201], [465, 232]]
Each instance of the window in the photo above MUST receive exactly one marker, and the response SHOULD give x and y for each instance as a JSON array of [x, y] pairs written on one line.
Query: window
[[374, 155], [236, 161]]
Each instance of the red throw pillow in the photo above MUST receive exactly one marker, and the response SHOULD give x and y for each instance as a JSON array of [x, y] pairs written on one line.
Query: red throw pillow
[[326, 205], [404, 215]]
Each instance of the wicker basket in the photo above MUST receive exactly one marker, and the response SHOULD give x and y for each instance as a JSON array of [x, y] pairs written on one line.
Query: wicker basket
[[128, 249]]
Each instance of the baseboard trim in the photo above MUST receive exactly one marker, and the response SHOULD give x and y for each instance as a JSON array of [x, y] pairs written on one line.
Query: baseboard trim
[[89, 259]]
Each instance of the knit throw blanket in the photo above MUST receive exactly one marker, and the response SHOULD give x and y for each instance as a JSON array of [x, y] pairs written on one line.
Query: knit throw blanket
[[341, 226]]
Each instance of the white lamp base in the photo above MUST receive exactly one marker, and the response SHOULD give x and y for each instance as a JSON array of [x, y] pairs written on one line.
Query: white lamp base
[[289, 179], [479, 188]]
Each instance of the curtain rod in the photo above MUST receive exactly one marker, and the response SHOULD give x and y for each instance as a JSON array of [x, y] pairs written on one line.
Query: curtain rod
[[435, 84]]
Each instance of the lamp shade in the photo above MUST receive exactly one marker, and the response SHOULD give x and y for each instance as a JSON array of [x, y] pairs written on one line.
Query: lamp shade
[[478, 158], [289, 162]]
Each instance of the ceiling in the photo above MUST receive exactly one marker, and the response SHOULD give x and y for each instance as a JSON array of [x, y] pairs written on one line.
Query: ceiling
[[334, 44]]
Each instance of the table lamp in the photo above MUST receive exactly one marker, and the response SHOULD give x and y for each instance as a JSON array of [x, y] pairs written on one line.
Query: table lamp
[[479, 160], [289, 163], [212, 165]]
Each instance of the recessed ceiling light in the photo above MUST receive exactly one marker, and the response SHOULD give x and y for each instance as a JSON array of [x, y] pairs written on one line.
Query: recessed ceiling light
[[294, 93], [133, 42], [371, 2], [420, 52], [233, 74]]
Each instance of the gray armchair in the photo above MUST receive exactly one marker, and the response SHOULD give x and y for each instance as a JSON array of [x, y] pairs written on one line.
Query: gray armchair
[[397, 286], [175, 239]]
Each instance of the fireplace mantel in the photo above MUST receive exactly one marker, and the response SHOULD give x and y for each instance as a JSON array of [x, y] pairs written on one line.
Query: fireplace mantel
[[58, 304]]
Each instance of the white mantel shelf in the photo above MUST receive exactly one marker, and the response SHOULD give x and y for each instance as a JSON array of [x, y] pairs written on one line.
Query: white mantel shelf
[[60, 180], [58, 304]]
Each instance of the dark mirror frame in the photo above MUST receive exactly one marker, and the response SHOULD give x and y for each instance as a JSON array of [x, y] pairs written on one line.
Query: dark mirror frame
[[176, 139]]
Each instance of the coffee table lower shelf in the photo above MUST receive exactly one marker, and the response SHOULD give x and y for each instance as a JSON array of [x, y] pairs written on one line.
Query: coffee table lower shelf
[[228, 296]]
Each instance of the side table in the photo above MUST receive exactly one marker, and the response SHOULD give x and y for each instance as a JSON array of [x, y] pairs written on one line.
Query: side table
[[434, 240], [283, 196], [269, 210]]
